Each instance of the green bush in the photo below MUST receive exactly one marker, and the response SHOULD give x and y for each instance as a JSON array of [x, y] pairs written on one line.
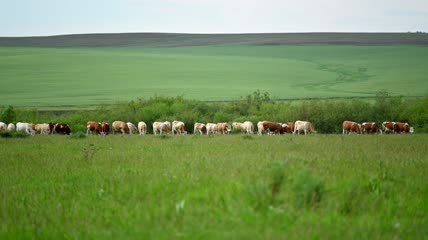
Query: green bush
[[6, 134], [78, 135]]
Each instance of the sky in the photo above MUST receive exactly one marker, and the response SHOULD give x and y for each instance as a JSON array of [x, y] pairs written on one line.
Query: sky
[[56, 17]]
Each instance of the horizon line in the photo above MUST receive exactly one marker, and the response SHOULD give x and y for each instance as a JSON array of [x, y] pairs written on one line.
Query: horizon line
[[219, 33]]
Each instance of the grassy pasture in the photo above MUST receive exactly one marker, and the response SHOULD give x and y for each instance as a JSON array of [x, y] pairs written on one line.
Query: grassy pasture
[[234, 187], [91, 76]]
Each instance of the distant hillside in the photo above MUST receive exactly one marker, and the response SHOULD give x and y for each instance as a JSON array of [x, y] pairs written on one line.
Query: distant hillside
[[174, 39]]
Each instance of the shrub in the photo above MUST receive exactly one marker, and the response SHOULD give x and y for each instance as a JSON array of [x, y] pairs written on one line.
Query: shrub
[[20, 134], [6, 134], [78, 135]]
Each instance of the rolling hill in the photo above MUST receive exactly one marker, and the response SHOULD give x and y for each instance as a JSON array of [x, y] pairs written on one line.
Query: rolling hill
[[93, 69]]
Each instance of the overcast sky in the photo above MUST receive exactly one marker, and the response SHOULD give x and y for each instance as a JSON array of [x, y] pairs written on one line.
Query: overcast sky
[[53, 17]]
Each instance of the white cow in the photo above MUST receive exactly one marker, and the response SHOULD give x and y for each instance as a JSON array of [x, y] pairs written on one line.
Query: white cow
[[25, 127], [211, 128], [3, 126], [132, 128], [11, 127], [236, 125], [247, 127], [178, 127], [142, 128], [42, 128], [304, 126], [161, 127]]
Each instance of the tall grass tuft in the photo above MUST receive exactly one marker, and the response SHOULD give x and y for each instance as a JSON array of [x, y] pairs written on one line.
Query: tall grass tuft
[[308, 190]]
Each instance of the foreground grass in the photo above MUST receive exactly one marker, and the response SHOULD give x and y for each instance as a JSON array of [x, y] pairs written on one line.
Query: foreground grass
[[234, 187], [88, 76]]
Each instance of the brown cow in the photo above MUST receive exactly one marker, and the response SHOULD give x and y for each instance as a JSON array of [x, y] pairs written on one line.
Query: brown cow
[[61, 128], [370, 127], [403, 127], [290, 127], [223, 128], [349, 127], [120, 126], [105, 128], [92, 126], [272, 127]]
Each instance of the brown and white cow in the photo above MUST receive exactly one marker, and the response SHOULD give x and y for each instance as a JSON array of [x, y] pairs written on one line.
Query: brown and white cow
[[93, 126], [390, 127], [199, 128], [142, 128], [370, 127], [60, 128], [286, 128], [105, 128], [273, 127], [349, 127], [132, 128], [120, 126], [304, 126], [260, 129], [223, 128], [3, 126], [403, 127], [178, 127]]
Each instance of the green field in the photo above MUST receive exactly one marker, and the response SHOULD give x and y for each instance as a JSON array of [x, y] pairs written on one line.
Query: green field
[[92, 76], [219, 187]]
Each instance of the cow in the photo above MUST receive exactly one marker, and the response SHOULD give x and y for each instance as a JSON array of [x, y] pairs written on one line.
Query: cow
[[161, 127], [92, 126], [142, 128], [273, 127], [25, 127], [237, 125], [247, 127], [132, 128], [60, 128], [199, 128], [403, 127], [304, 126], [120, 126], [370, 127], [3, 126], [286, 128], [105, 128], [11, 127], [290, 127], [390, 127], [349, 127], [178, 127], [211, 128], [42, 128], [260, 129], [223, 128]]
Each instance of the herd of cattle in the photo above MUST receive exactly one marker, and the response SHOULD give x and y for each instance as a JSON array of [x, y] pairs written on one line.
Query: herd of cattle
[[178, 127]]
